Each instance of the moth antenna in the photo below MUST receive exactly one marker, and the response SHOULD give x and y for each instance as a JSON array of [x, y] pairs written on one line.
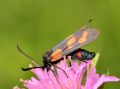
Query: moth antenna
[[62, 70], [25, 54], [26, 69]]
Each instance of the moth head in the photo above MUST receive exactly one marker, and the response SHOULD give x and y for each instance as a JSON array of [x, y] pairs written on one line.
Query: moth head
[[47, 57]]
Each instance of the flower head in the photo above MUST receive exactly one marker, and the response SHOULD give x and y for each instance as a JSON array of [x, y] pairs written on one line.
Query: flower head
[[80, 76]]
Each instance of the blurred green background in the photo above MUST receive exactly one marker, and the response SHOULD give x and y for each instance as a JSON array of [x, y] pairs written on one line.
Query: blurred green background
[[38, 25]]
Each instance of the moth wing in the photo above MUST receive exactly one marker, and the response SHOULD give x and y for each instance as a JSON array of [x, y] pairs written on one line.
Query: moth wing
[[80, 38], [84, 37]]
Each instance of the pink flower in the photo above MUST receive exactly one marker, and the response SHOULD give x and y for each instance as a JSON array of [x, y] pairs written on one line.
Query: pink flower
[[76, 77]]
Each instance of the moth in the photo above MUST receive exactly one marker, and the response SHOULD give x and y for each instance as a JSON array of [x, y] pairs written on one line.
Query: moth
[[71, 46]]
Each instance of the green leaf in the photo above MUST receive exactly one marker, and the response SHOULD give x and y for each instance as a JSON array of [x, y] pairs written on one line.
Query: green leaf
[[96, 58]]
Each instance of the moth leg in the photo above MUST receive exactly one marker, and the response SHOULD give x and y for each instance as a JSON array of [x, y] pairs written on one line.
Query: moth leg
[[62, 70], [26, 69], [83, 61], [55, 76]]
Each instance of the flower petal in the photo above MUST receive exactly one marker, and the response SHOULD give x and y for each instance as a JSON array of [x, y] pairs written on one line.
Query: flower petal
[[92, 78], [79, 74], [58, 79], [104, 79], [16, 87]]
